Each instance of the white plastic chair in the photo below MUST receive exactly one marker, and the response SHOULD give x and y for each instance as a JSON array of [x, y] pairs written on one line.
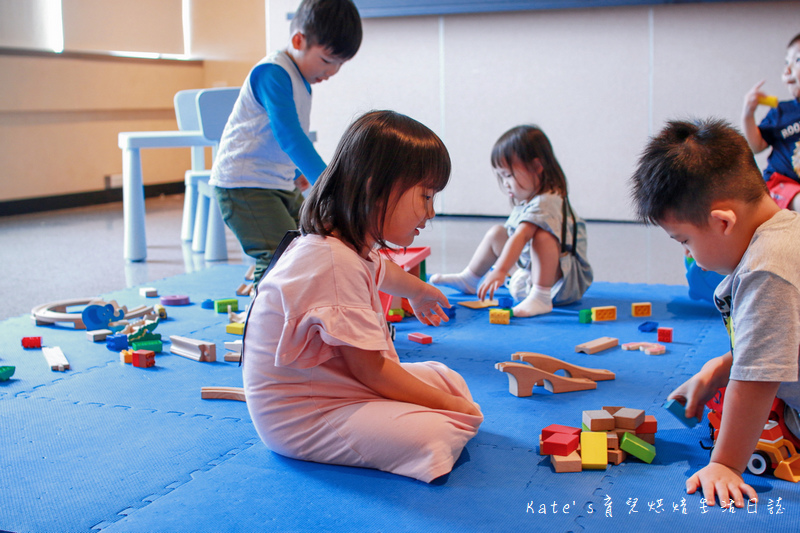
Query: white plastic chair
[[188, 120], [213, 107]]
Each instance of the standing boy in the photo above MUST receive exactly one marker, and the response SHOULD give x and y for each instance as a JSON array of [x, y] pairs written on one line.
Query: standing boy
[[780, 129], [700, 183], [265, 145]]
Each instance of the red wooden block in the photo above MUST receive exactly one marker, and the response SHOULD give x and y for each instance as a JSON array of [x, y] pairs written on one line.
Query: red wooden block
[[420, 338], [650, 425], [555, 428], [664, 334], [560, 444], [31, 342], [144, 358]]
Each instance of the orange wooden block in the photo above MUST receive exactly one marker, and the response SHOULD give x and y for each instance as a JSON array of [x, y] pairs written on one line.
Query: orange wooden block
[[569, 463], [615, 457], [640, 309], [627, 418], [612, 441], [598, 420]]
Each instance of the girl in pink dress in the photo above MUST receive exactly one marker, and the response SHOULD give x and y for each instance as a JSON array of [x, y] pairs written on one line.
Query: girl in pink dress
[[322, 378]]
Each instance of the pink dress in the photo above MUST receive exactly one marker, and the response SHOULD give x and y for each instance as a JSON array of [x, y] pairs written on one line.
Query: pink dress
[[303, 400]]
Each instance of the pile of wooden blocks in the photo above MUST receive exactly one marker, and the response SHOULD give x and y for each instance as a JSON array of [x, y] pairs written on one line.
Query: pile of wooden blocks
[[606, 436]]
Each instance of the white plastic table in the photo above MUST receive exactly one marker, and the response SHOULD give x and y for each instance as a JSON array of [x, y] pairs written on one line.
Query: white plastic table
[[133, 186]]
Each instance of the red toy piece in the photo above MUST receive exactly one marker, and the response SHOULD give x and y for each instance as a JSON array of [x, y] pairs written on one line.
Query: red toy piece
[[420, 338], [560, 444], [144, 358], [664, 334], [31, 342]]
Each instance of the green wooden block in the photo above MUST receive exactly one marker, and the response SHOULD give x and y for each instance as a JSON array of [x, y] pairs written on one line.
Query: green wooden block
[[637, 447], [585, 316], [154, 345], [221, 306]]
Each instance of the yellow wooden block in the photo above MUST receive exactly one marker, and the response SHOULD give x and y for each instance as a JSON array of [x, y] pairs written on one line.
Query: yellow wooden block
[[499, 316], [640, 309], [771, 101], [600, 314], [237, 328], [594, 450]]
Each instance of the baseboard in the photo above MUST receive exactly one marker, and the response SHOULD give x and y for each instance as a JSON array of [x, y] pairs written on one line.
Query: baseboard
[[83, 199]]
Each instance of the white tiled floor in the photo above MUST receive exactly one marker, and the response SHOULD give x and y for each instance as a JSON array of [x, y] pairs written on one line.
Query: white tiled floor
[[77, 253]]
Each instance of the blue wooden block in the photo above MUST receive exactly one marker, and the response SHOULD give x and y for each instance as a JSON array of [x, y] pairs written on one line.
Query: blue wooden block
[[679, 411], [504, 302]]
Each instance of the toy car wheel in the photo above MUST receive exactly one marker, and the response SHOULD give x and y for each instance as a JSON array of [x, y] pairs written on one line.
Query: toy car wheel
[[758, 463]]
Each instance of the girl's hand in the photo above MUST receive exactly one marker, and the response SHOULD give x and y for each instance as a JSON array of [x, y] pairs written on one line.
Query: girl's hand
[[427, 305], [718, 480], [751, 99], [494, 279]]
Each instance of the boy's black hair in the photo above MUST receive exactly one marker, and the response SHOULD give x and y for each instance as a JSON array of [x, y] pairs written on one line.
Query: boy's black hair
[[332, 24], [380, 156], [795, 39], [525, 144], [689, 166]]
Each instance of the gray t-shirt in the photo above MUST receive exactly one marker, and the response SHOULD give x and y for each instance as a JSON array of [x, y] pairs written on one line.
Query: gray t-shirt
[[760, 305]]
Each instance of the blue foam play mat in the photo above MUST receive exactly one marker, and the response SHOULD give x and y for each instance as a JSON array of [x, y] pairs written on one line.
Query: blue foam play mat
[[105, 446]]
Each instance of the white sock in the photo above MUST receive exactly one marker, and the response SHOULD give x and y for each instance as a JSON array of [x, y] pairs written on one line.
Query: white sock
[[465, 281], [538, 302]]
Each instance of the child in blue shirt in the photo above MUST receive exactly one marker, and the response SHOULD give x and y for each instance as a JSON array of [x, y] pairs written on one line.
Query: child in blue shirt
[[780, 130], [265, 155]]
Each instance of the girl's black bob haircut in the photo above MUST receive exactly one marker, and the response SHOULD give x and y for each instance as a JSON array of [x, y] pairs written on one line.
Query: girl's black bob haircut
[[381, 155]]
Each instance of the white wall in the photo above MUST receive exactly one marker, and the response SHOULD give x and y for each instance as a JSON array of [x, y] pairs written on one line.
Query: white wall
[[598, 81]]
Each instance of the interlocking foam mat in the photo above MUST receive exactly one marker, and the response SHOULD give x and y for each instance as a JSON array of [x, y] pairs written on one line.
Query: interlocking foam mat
[[106, 446]]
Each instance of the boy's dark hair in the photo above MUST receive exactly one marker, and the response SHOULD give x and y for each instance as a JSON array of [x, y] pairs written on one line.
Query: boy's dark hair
[[795, 39], [689, 166], [524, 144], [332, 24], [380, 156]]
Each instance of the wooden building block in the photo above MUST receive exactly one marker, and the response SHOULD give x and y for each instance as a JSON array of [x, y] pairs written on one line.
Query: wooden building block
[[570, 463], [222, 393], [420, 338], [585, 316], [679, 410], [649, 438], [55, 358], [615, 457], [148, 292], [654, 349], [594, 454], [664, 334], [198, 350], [98, 335], [627, 418], [244, 289], [612, 441], [640, 309], [597, 345], [221, 306], [232, 357], [650, 425], [560, 444], [556, 428], [479, 304], [600, 314], [126, 357], [637, 447], [598, 420], [235, 328], [499, 316], [611, 409]]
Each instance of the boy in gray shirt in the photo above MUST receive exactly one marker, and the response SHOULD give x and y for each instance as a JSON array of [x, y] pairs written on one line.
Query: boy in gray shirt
[[700, 183]]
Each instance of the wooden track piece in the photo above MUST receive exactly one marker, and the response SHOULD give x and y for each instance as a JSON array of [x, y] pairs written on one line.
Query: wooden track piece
[[198, 350], [222, 393], [522, 377], [55, 358], [553, 365], [597, 345], [479, 304]]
